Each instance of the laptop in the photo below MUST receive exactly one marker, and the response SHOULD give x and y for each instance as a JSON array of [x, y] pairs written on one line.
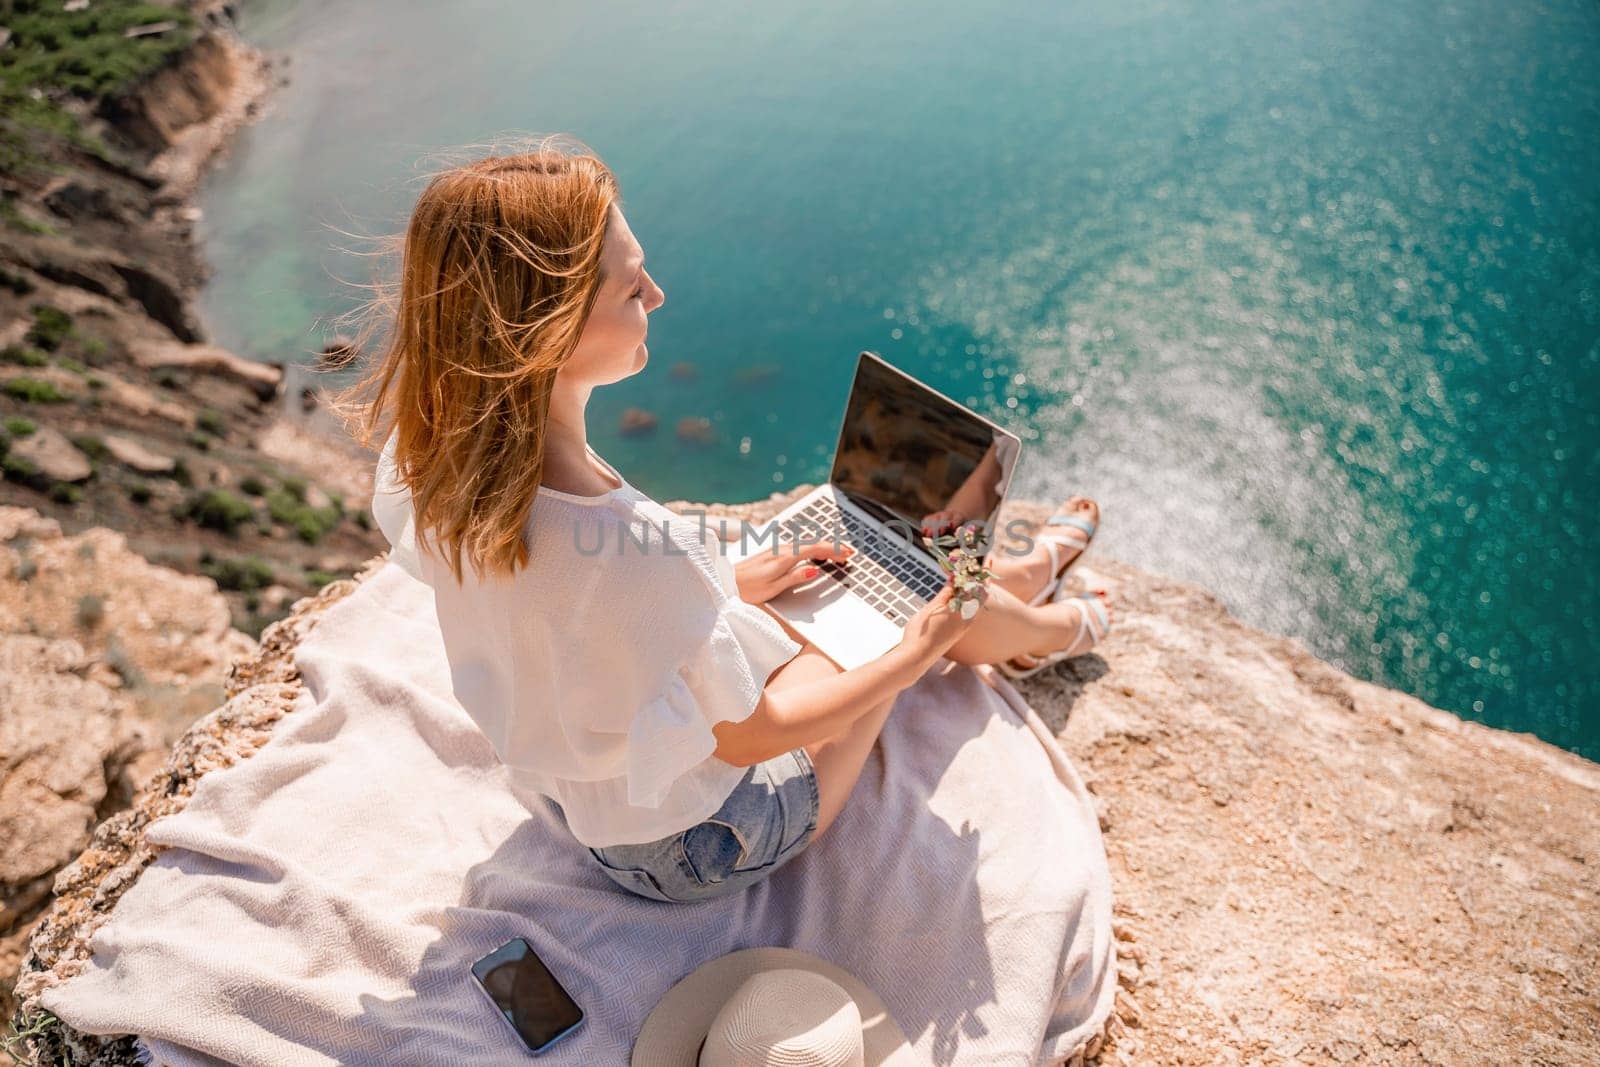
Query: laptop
[[905, 452]]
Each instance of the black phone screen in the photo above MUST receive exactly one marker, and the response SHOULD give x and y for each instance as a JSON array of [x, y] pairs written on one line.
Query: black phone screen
[[522, 987]]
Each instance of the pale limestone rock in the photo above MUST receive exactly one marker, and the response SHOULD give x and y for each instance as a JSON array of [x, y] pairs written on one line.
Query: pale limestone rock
[[160, 629], [263, 378], [341, 465], [132, 454], [57, 458], [141, 401], [70, 751]]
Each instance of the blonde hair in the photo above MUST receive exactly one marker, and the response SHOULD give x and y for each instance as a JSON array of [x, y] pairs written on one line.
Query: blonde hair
[[499, 268]]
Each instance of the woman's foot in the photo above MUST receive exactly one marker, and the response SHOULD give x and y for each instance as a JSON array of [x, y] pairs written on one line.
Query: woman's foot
[[1091, 621], [1056, 547]]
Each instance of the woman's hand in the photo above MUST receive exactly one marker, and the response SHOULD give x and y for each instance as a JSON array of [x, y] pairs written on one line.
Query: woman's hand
[[767, 572], [934, 628]]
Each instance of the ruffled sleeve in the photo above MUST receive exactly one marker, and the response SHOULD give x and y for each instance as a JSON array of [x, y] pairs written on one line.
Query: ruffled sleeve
[[721, 682]]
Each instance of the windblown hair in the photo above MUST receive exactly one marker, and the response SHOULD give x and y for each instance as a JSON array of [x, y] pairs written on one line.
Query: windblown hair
[[498, 272]]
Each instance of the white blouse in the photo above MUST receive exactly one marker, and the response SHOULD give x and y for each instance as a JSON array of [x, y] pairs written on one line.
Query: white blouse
[[598, 670]]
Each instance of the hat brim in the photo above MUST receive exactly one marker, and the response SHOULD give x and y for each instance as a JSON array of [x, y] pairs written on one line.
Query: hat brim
[[672, 1032]]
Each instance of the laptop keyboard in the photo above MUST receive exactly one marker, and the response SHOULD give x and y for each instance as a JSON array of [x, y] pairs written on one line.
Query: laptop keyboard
[[883, 571]]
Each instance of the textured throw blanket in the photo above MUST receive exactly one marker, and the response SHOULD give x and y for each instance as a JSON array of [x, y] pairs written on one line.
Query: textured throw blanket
[[322, 901]]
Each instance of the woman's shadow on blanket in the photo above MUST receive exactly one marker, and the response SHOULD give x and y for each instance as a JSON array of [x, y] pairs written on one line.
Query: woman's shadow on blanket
[[618, 954]]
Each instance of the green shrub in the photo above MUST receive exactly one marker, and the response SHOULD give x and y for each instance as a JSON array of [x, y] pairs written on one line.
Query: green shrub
[[217, 509], [91, 446], [96, 382], [117, 658], [84, 52], [318, 579], [72, 365], [95, 350], [167, 378], [91, 611], [17, 469], [9, 213], [24, 355], [252, 485], [198, 440], [66, 493], [283, 505], [240, 575], [308, 523], [296, 487], [34, 391], [54, 54], [50, 327], [18, 285], [364, 520], [211, 422], [140, 492], [181, 473], [19, 425]]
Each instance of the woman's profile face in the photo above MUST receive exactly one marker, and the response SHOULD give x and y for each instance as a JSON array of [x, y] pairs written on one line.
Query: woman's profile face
[[612, 346]]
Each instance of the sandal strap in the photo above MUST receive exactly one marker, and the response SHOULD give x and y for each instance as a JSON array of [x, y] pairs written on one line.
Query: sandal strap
[[1097, 606], [1092, 620], [1072, 520]]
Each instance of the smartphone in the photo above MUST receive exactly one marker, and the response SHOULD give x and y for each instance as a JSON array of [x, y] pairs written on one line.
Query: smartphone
[[527, 995]]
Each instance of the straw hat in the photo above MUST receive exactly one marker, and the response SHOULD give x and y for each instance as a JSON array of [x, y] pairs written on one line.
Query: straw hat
[[770, 1007]]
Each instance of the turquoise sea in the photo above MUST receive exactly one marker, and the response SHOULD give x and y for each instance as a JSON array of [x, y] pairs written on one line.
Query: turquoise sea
[[1308, 296]]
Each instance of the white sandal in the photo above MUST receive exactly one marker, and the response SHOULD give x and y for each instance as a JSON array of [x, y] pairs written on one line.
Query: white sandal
[[1081, 533], [1094, 626]]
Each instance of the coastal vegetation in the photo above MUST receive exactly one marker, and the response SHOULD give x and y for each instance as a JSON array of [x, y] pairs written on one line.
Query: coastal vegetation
[[60, 65]]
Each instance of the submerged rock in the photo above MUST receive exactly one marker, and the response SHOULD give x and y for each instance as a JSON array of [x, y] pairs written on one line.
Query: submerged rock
[[696, 429], [340, 351], [637, 421]]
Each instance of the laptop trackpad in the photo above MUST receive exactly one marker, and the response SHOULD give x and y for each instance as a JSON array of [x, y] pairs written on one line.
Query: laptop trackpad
[[848, 631]]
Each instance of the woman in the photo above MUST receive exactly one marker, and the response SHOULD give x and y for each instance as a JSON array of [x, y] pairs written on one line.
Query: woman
[[690, 739]]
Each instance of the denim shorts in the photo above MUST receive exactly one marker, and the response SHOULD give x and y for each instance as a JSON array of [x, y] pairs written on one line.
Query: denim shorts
[[768, 819]]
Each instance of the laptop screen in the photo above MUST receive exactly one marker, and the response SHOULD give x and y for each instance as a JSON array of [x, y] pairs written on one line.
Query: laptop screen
[[908, 452]]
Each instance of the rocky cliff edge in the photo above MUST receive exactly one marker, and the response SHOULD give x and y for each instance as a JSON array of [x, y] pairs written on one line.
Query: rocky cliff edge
[[1308, 868]]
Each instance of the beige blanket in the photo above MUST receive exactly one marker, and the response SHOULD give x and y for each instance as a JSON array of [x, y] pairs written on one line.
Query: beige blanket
[[322, 901]]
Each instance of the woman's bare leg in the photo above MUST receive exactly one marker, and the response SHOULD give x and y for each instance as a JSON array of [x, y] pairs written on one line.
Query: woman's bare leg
[[1024, 574], [838, 758], [1006, 626]]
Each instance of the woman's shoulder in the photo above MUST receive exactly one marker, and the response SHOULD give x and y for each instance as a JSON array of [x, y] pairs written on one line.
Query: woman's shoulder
[[631, 536]]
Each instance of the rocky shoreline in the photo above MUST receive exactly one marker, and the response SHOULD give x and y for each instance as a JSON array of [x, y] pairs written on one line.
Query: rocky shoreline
[[117, 415], [114, 410]]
